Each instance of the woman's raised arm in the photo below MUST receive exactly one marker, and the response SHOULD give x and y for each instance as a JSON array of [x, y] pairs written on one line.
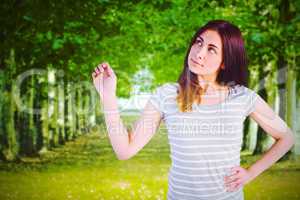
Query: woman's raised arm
[[145, 127]]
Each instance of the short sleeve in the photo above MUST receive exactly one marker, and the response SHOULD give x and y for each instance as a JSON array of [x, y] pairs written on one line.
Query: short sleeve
[[156, 99], [160, 97], [251, 99]]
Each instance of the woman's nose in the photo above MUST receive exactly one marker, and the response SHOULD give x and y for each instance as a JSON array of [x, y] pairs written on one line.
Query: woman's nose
[[201, 53]]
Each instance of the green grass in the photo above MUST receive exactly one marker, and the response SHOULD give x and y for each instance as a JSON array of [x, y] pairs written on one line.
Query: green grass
[[88, 169]]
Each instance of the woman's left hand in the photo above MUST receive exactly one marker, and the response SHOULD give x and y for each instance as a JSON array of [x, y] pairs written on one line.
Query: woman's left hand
[[239, 177]]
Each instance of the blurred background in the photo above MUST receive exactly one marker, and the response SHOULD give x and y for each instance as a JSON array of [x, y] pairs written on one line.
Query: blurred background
[[53, 140]]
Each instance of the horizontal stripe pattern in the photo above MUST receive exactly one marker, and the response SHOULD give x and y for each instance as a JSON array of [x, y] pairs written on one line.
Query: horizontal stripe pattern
[[175, 195], [204, 148], [204, 158], [205, 143]]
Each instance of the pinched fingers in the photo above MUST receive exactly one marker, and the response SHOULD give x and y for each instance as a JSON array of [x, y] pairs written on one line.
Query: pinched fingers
[[98, 70], [107, 69]]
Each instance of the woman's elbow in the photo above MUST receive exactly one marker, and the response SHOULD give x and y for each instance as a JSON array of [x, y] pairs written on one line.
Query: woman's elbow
[[293, 140], [290, 138], [123, 156]]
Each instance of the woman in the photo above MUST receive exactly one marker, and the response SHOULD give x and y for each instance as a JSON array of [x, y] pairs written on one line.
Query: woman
[[204, 114]]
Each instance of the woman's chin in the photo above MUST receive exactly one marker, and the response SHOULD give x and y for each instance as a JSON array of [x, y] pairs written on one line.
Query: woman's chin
[[198, 71]]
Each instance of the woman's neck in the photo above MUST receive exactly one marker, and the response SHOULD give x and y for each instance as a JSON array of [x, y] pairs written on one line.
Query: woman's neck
[[210, 85]]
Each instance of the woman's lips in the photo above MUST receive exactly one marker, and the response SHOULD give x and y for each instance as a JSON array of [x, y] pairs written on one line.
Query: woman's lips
[[196, 62]]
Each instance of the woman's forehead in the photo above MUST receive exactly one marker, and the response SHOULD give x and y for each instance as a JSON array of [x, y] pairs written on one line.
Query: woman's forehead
[[211, 37]]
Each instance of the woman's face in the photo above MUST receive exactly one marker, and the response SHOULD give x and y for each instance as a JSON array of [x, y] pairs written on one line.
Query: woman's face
[[205, 56]]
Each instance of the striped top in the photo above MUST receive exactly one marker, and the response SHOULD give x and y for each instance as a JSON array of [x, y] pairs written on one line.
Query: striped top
[[204, 143]]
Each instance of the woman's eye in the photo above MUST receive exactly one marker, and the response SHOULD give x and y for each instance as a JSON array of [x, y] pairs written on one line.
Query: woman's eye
[[199, 42], [212, 50]]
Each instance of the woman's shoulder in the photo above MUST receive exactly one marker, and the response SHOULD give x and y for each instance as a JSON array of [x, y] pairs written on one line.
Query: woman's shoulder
[[241, 90], [170, 85], [168, 88], [164, 96]]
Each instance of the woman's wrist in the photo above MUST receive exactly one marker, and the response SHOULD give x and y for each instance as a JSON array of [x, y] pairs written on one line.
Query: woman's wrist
[[253, 172], [110, 103]]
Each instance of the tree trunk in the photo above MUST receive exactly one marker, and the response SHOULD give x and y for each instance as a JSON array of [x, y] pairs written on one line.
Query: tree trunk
[[61, 111], [52, 108], [79, 111], [11, 147], [71, 114], [291, 103], [91, 114], [45, 127], [32, 132], [2, 136], [296, 148], [263, 139]]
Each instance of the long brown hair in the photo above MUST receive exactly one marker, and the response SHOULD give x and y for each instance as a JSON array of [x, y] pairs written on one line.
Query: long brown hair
[[234, 59]]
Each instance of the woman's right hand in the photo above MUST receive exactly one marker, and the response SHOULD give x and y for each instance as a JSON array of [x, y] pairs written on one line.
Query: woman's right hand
[[105, 81]]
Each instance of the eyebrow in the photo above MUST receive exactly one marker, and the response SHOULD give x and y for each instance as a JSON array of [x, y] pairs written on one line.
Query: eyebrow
[[199, 37]]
